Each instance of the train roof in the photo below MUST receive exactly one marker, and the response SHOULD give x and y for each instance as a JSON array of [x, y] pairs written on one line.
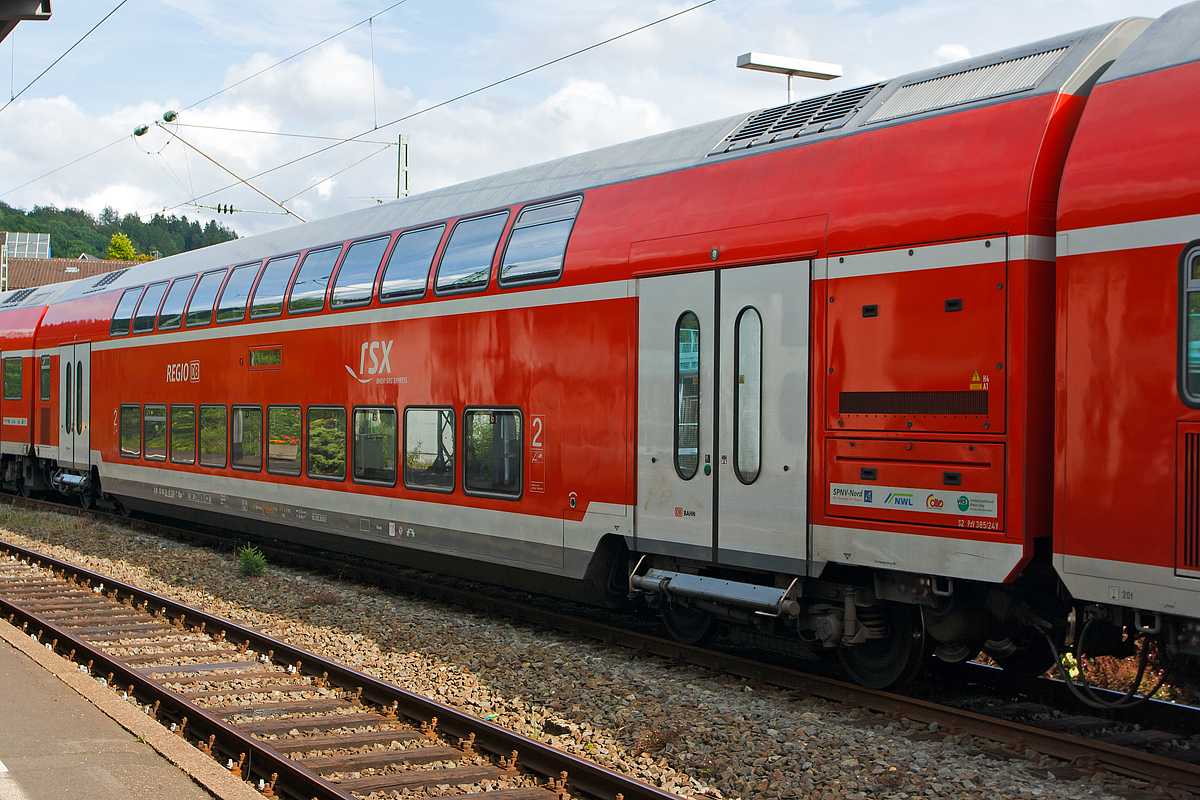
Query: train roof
[[1173, 39], [1060, 64]]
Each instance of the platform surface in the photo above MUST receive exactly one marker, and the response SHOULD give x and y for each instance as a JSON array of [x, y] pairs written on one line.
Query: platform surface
[[55, 744]]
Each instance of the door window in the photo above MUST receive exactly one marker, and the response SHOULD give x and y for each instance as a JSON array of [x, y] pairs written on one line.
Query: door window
[[687, 395], [747, 370]]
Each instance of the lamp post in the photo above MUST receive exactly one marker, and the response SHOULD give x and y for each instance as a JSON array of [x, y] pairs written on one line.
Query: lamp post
[[791, 67]]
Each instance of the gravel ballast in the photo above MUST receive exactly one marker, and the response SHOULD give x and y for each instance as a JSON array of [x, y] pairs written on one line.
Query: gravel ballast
[[686, 729]]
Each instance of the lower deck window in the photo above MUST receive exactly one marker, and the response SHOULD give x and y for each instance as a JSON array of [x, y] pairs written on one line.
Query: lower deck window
[[375, 445], [183, 434], [246, 437], [214, 424], [156, 432], [13, 368], [429, 449], [494, 451], [131, 431], [283, 440], [327, 443]]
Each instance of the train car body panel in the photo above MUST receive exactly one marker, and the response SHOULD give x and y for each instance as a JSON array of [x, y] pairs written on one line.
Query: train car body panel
[[789, 370], [1126, 475]]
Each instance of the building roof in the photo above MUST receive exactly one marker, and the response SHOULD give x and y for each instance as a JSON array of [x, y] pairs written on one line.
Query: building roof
[[24, 273]]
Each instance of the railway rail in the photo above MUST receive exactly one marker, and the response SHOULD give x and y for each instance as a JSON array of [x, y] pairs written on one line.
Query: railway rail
[[1016, 737], [295, 724]]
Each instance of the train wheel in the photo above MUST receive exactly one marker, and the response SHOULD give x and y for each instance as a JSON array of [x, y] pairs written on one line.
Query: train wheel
[[26, 490], [87, 500], [895, 659], [688, 625]]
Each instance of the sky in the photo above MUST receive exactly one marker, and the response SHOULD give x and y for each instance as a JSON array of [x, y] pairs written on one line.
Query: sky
[[154, 56]]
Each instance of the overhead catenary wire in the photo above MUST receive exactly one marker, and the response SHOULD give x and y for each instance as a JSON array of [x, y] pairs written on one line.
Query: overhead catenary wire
[[293, 56], [64, 55], [387, 146], [193, 105], [278, 133], [240, 179], [64, 166], [455, 99]]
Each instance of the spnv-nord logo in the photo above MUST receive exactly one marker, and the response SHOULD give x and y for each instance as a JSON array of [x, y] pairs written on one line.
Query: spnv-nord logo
[[963, 503]]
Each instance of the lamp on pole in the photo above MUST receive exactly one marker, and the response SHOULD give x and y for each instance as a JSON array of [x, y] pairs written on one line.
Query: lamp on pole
[[791, 67]]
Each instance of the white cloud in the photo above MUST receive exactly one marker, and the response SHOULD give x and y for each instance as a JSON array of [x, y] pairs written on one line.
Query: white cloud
[[952, 52]]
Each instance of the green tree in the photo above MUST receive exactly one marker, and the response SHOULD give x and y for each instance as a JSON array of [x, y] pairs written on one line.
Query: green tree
[[120, 248]]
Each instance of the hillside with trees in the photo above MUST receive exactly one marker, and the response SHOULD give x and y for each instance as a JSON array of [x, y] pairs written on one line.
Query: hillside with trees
[[73, 231]]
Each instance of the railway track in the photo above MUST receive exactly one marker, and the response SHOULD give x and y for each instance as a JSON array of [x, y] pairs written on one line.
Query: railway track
[[1050, 735], [294, 724]]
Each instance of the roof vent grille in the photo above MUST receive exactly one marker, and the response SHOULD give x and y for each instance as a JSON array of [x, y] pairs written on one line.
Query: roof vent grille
[[16, 298], [814, 115], [105, 280], [969, 86]]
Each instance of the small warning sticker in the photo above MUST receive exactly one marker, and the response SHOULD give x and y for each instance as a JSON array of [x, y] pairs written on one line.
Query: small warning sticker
[[978, 383]]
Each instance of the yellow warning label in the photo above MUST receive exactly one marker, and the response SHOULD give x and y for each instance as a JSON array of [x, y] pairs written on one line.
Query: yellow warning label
[[976, 383], [975, 378]]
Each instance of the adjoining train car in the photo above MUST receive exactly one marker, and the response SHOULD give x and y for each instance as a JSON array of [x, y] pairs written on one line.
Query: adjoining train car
[[1127, 467], [28, 392], [792, 370]]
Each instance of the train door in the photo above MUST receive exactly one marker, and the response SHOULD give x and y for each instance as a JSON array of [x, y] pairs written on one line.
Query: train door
[[676, 358], [763, 437], [74, 416], [723, 415]]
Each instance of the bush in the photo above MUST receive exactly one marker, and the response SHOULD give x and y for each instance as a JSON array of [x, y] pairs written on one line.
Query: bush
[[251, 562]]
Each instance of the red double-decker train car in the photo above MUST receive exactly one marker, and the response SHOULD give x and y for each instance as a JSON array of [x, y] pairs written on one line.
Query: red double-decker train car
[[902, 369]]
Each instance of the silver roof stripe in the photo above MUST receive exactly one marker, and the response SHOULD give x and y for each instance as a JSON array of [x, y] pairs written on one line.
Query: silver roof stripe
[[470, 304], [1129, 235]]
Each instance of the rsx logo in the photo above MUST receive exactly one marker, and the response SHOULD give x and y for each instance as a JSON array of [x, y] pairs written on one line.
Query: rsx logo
[[378, 353]]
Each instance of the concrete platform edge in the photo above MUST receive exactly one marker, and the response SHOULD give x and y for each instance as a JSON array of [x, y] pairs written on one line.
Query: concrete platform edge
[[199, 767]]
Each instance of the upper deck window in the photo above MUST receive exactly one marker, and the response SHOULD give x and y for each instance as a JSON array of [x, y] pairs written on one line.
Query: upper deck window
[[171, 316], [1189, 383], [200, 307], [538, 243], [268, 297], [232, 305], [123, 316], [308, 292], [466, 264], [408, 267], [147, 310], [356, 279]]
